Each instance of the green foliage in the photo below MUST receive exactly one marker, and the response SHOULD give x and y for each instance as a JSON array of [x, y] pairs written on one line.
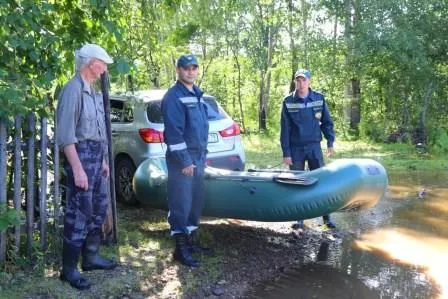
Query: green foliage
[[8, 217], [371, 129], [438, 140], [390, 44], [37, 41]]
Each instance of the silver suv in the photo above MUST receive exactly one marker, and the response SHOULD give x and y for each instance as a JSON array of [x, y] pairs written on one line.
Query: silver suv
[[137, 134]]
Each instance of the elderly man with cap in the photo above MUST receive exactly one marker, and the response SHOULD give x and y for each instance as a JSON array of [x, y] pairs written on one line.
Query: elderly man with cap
[[186, 135], [81, 135], [305, 116]]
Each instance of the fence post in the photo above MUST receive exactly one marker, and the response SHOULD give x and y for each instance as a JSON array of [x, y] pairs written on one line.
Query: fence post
[[43, 184], [30, 183], [3, 199], [56, 178], [17, 175], [106, 103]]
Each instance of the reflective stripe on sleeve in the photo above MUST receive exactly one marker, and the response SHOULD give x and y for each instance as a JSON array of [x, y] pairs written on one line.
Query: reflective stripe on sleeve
[[290, 106], [190, 100], [178, 147]]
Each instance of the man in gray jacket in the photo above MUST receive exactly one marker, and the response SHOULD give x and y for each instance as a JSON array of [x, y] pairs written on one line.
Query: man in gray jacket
[[81, 135]]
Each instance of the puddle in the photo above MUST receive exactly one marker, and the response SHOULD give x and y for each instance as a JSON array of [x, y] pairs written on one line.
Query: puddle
[[398, 249]]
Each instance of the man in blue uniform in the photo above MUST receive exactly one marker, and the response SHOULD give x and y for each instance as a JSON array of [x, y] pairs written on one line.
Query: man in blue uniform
[[81, 134], [186, 136], [305, 116]]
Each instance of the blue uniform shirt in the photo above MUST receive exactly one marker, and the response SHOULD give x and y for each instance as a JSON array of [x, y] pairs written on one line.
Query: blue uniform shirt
[[186, 123], [304, 120]]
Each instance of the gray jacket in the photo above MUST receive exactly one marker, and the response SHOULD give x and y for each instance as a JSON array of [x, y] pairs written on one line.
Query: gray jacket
[[80, 114]]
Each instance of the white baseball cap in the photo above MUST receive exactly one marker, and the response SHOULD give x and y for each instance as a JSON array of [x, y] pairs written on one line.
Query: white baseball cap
[[95, 51]]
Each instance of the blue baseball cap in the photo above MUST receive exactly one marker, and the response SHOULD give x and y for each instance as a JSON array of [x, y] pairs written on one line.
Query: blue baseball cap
[[303, 73], [187, 60]]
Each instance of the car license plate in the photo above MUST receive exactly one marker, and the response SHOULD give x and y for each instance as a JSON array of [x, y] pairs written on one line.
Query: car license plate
[[212, 137]]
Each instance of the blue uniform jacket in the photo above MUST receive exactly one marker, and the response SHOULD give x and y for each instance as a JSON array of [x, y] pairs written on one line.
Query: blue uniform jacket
[[186, 123], [304, 120]]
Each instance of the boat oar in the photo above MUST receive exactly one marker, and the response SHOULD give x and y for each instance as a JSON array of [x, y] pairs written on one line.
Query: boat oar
[[278, 170], [291, 180]]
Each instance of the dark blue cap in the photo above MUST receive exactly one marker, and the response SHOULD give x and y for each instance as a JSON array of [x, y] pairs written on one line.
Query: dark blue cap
[[303, 73], [186, 60]]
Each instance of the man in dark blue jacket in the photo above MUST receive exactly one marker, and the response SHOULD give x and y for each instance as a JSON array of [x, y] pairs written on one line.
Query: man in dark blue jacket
[[305, 116], [186, 136]]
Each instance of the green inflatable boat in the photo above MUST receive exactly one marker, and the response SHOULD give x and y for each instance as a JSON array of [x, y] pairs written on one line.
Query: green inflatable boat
[[274, 195]]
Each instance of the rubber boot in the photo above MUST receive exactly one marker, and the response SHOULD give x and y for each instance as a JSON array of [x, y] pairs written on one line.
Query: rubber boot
[[328, 222], [195, 247], [70, 273], [298, 225], [91, 260], [182, 252]]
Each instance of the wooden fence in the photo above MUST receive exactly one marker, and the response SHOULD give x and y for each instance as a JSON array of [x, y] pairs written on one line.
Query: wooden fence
[[30, 182]]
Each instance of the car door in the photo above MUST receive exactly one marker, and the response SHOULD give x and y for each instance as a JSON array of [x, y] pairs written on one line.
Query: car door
[[124, 135], [116, 117], [219, 121]]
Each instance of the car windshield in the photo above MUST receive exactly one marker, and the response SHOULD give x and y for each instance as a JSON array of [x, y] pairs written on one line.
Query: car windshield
[[214, 112]]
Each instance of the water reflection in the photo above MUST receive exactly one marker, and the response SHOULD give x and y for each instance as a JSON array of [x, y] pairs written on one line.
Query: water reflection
[[418, 236], [322, 254], [399, 249], [317, 280], [413, 248]]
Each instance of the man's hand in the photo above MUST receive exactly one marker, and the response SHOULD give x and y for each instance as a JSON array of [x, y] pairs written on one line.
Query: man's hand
[[189, 170], [287, 160], [80, 177], [105, 169], [330, 152]]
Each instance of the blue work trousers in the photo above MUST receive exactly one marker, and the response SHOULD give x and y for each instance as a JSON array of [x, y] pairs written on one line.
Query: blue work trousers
[[185, 194], [311, 153], [85, 211]]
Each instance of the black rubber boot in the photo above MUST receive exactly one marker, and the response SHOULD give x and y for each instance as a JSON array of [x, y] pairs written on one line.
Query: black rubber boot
[[91, 260], [195, 247], [328, 222], [182, 252], [70, 273]]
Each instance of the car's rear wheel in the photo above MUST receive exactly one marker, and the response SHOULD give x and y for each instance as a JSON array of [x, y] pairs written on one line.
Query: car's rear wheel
[[124, 173]]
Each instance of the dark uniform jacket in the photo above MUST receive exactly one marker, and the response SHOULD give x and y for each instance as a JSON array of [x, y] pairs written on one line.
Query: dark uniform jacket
[[186, 124], [304, 120]]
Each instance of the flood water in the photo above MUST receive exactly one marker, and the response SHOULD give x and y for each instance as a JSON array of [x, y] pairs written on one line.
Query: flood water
[[398, 249]]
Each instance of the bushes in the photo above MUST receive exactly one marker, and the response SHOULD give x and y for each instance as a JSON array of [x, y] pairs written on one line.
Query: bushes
[[8, 217], [371, 130], [438, 140]]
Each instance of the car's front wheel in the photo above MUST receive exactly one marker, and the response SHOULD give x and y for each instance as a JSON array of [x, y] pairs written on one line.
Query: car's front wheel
[[124, 173]]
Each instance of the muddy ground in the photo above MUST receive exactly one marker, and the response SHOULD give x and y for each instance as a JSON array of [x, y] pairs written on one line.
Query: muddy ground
[[246, 253]]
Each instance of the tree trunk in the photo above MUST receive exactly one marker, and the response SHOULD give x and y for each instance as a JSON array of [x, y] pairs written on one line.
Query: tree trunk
[[422, 132], [131, 83], [355, 105], [292, 46], [262, 107], [305, 15], [266, 82], [335, 43], [352, 107], [238, 67]]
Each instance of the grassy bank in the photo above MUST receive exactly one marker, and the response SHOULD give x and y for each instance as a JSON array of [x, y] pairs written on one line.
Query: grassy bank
[[265, 152]]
